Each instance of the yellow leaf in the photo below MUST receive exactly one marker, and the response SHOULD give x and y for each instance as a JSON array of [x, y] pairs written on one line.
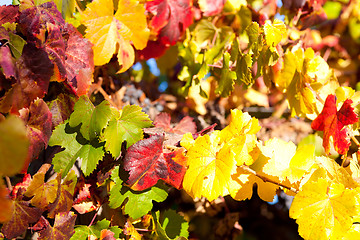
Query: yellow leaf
[[274, 32], [323, 210], [210, 167], [240, 133], [108, 31], [287, 162]]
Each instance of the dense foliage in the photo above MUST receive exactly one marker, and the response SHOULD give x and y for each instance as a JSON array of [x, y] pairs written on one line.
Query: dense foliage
[[125, 119]]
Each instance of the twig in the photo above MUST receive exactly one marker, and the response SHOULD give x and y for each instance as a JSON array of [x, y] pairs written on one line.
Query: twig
[[93, 219], [8, 183], [266, 179]]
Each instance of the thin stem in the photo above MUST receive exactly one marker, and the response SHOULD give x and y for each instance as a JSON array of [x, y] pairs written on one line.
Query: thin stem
[[8, 183], [266, 179], [355, 140], [93, 219]]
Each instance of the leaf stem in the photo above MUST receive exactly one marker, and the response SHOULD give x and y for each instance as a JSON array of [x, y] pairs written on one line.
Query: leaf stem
[[266, 179], [8, 183]]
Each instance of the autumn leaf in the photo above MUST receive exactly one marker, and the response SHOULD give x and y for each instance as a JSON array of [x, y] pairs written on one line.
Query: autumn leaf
[[6, 204], [20, 218], [108, 31], [324, 209], [147, 163], [210, 166], [291, 164], [43, 193], [84, 202], [64, 201], [143, 200], [61, 108], [63, 227], [38, 123], [186, 124], [211, 7], [125, 126], [171, 225], [171, 18], [332, 123], [130, 230], [274, 32], [14, 145]]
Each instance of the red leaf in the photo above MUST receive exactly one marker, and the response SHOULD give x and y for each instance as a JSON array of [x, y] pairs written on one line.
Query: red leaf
[[63, 227], [171, 18], [20, 219], [147, 163], [153, 49], [24, 184], [38, 122], [332, 123], [163, 120], [8, 13], [84, 203]]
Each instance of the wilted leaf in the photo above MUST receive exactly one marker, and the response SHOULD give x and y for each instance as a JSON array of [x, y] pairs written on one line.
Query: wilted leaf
[[126, 126], [128, 25], [21, 216], [147, 163], [43, 193], [324, 209], [14, 145], [63, 227], [143, 200], [38, 123], [332, 123], [171, 18]]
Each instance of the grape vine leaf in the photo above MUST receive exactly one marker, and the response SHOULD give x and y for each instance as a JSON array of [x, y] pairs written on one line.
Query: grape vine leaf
[[8, 13], [64, 200], [83, 232], [171, 18], [186, 124], [209, 166], [147, 163], [6, 204], [332, 123], [125, 126], [211, 7], [274, 32], [65, 137], [170, 225], [21, 216], [38, 123], [128, 25], [14, 145], [63, 227], [227, 77], [130, 230], [323, 209], [61, 108], [34, 70], [92, 119], [143, 200], [291, 164], [84, 202], [43, 193]]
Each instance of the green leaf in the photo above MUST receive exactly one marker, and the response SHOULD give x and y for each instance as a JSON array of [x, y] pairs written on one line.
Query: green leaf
[[170, 225], [204, 31], [92, 119], [141, 199], [16, 44], [126, 126], [65, 137], [253, 31], [14, 145], [243, 69], [226, 81], [82, 232]]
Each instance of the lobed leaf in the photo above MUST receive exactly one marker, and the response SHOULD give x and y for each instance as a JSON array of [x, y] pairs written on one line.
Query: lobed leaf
[[63, 227]]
